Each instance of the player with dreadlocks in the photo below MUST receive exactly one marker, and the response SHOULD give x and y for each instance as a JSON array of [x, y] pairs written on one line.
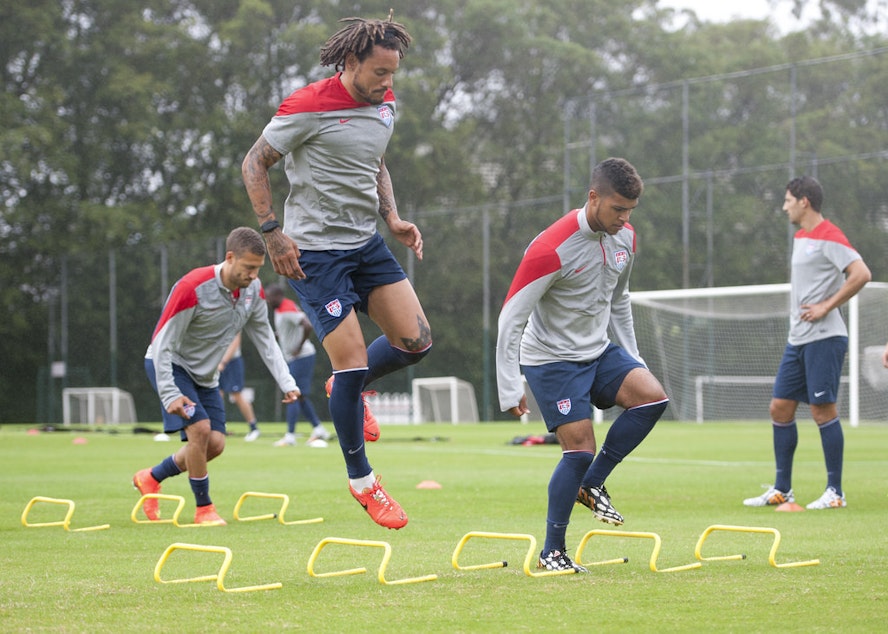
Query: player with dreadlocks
[[334, 133]]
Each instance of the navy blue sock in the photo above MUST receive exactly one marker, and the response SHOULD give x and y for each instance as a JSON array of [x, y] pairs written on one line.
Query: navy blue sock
[[786, 438], [383, 358], [294, 409], [624, 435], [563, 487], [166, 469], [833, 441], [347, 412], [201, 489]]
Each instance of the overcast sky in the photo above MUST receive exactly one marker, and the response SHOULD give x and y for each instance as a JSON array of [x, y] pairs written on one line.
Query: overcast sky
[[727, 10]]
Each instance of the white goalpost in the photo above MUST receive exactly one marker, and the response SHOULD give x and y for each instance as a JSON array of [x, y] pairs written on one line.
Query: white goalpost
[[97, 406], [716, 350], [444, 399]]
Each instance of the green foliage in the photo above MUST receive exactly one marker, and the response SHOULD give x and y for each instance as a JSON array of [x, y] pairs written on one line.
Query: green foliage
[[681, 480], [125, 125]]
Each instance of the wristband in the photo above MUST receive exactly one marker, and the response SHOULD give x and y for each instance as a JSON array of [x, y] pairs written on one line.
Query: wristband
[[269, 225]]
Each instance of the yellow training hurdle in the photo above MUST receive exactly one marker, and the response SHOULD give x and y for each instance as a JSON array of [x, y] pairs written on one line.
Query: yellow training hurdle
[[772, 555], [65, 523], [174, 520], [285, 502], [354, 571], [219, 577], [655, 553], [528, 558]]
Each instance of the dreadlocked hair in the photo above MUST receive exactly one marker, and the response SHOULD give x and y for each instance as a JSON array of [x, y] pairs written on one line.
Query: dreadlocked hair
[[360, 36]]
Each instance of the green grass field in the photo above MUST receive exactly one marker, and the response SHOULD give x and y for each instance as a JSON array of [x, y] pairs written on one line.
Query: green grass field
[[684, 478]]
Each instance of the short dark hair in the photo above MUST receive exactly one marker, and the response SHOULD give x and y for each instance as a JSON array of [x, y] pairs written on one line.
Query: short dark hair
[[616, 175], [245, 240], [807, 187], [359, 38]]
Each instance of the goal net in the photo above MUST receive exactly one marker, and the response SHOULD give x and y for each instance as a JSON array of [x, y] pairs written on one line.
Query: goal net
[[716, 350], [444, 399], [97, 406]]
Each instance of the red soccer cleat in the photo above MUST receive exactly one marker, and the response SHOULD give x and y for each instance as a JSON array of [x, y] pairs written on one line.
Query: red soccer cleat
[[380, 506], [145, 483], [207, 516]]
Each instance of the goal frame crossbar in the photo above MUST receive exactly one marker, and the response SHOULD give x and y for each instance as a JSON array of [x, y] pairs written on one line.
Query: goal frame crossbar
[[852, 380]]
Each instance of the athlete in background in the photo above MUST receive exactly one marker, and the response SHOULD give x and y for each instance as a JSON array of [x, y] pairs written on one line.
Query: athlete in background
[[204, 312], [826, 273]]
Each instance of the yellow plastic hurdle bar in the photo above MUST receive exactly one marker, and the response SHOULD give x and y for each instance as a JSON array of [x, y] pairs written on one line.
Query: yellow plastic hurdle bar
[[174, 520], [65, 523], [655, 553], [528, 558], [219, 577], [772, 555], [285, 503], [355, 571]]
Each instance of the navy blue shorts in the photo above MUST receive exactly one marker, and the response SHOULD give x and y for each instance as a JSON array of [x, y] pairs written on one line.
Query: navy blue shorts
[[811, 373], [565, 390], [231, 379], [207, 402], [337, 281]]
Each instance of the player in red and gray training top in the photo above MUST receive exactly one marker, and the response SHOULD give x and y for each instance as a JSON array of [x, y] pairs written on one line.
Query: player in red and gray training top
[[293, 329], [334, 134], [571, 285], [206, 309], [826, 273]]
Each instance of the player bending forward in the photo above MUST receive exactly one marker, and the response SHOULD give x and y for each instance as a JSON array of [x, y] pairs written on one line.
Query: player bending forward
[[571, 284]]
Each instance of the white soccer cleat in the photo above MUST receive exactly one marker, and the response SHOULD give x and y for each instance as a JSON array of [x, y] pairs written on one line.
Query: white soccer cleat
[[771, 497], [253, 435], [319, 432], [829, 500], [288, 440]]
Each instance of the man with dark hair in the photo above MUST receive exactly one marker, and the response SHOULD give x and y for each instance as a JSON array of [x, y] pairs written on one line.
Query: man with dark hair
[[204, 312], [333, 134], [826, 273], [571, 286]]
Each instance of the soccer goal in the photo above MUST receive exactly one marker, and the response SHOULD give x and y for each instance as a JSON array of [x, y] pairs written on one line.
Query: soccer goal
[[97, 406], [716, 350], [444, 399]]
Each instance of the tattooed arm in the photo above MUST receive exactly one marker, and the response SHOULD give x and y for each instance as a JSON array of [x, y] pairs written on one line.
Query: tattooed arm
[[282, 249], [405, 232]]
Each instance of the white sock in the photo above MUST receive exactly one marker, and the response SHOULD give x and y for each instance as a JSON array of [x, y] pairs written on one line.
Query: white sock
[[366, 482]]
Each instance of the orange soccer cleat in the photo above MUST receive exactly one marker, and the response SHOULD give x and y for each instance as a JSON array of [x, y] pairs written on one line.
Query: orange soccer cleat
[[208, 516], [380, 506], [145, 483]]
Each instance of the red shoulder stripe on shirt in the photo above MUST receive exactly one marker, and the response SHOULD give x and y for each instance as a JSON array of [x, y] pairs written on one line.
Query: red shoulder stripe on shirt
[[288, 306], [541, 257], [325, 95], [825, 231], [634, 236], [184, 295]]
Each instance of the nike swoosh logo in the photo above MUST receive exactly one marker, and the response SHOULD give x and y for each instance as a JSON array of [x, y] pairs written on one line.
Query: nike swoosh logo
[[581, 269], [352, 452], [345, 120], [819, 394]]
